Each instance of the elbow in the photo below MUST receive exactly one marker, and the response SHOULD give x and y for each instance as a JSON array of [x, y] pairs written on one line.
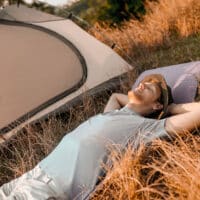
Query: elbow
[[114, 95]]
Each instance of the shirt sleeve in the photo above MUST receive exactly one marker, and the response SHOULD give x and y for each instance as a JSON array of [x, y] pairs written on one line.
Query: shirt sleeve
[[152, 129]]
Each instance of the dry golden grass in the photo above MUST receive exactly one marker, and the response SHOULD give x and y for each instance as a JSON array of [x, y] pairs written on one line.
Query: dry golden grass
[[164, 20], [168, 34], [163, 170], [25, 150]]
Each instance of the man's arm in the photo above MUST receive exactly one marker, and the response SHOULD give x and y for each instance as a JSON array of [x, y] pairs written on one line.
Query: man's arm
[[183, 108], [116, 101], [184, 122]]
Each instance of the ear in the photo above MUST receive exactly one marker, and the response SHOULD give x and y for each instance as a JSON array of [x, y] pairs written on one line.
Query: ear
[[157, 106]]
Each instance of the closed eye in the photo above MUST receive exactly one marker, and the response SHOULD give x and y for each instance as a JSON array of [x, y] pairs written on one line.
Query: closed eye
[[150, 88]]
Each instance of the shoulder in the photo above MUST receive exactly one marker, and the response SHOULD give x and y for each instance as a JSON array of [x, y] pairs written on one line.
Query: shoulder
[[157, 128]]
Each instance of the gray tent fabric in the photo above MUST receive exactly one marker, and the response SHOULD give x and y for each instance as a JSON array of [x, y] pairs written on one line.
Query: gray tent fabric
[[182, 78], [46, 62], [30, 75]]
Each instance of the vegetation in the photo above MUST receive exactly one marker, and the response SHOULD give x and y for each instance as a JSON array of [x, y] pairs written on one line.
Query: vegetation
[[161, 171], [168, 30], [9, 2], [110, 11], [168, 34], [1, 2]]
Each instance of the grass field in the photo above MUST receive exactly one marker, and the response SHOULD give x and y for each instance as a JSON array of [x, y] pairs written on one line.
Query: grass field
[[169, 34]]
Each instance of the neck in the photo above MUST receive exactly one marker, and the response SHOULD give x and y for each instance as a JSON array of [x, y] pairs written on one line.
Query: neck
[[138, 108]]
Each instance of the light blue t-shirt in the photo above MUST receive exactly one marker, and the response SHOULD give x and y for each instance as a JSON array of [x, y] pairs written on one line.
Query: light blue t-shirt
[[75, 164]]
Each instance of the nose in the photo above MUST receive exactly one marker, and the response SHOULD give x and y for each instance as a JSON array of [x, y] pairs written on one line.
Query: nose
[[141, 86]]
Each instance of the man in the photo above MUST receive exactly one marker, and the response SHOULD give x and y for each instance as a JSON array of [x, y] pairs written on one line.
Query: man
[[72, 170]]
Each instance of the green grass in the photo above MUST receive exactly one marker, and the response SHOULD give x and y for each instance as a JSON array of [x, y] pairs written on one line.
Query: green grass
[[173, 52]]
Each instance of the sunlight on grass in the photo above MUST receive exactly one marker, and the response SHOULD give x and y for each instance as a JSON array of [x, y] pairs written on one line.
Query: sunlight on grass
[[168, 34], [163, 170], [169, 29]]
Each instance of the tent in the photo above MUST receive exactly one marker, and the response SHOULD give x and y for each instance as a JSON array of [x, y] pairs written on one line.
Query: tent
[[46, 62]]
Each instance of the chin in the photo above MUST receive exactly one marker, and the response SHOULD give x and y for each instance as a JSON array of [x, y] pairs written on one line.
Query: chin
[[134, 97]]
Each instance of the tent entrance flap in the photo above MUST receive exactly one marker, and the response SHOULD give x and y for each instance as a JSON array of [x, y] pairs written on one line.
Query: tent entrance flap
[[38, 68]]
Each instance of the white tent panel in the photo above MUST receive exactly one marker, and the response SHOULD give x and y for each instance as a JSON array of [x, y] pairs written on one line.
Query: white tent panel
[[30, 70], [102, 62]]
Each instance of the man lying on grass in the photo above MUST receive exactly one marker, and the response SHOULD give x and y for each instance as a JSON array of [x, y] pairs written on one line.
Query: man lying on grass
[[73, 169]]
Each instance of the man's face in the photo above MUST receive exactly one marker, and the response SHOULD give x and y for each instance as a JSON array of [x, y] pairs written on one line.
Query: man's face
[[146, 93]]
